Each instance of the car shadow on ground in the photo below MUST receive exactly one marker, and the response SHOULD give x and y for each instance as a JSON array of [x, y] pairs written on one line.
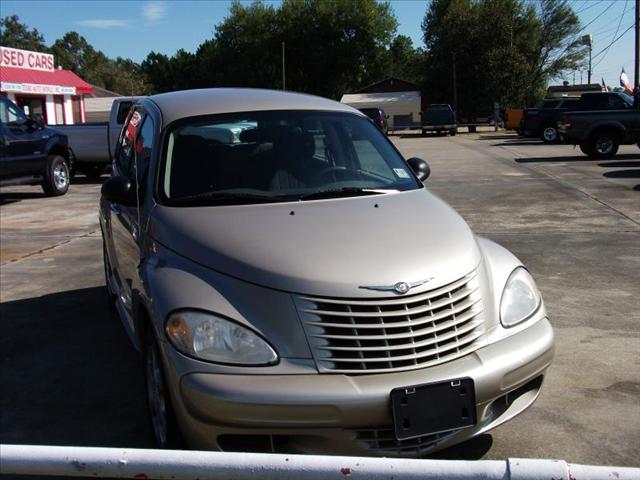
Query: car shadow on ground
[[82, 180], [69, 374], [14, 197], [473, 449], [622, 174], [504, 136], [576, 158], [630, 164]]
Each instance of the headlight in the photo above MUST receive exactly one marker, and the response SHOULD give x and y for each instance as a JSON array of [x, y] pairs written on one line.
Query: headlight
[[520, 298], [208, 337]]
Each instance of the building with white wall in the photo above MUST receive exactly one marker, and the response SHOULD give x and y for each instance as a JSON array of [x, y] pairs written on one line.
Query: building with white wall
[[32, 82]]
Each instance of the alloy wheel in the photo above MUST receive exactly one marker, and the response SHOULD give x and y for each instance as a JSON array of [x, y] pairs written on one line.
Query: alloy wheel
[[604, 145], [61, 176], [156, 395], [550, 134]]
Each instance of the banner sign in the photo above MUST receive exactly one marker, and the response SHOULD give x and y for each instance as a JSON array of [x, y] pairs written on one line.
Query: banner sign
[[34, 88], [15, 58]]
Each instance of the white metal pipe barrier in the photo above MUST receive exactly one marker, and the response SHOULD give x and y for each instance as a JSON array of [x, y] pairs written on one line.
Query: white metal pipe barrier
[[191, 465]]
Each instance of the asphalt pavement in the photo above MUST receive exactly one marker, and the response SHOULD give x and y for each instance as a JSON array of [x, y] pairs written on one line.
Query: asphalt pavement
[[69, 376]]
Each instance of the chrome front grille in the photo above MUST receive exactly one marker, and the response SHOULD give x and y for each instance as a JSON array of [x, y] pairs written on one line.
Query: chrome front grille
[[396, 333], [382, 441]]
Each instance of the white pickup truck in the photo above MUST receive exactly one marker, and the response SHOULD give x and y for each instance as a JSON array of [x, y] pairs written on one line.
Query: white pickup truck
[[92, 144]]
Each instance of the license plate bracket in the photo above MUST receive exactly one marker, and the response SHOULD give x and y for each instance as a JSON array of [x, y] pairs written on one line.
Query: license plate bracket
[[433, 408]]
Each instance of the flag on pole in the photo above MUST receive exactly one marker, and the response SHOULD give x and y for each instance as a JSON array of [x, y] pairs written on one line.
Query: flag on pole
[[624, 82]]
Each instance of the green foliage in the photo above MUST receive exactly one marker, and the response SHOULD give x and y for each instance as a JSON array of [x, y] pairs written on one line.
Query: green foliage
[[14, 34], [505, 50], [331, 47]]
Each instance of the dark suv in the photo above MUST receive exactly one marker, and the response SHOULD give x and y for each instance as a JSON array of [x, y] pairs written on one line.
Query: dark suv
[[378, 117], [542, 122], [30, 153], [439, 118]]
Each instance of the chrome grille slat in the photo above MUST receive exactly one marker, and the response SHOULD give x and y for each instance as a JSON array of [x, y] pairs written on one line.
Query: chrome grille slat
[[460, 318], [391, 334], [422, 343], [422, 320], [398, 313], [439, 350]]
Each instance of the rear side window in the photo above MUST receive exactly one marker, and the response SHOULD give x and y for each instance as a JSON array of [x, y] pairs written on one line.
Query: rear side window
[[616, 103], [123, 110], [124, 156], [144, 143]]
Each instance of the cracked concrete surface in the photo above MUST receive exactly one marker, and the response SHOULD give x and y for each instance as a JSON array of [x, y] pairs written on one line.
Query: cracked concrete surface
[[70, 377]]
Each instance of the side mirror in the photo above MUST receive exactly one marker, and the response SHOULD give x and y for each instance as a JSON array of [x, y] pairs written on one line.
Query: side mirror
[[119, 190], [420, 168]]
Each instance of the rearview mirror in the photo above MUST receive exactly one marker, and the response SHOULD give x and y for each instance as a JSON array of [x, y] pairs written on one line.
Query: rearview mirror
[[119, 190], [420, 167]]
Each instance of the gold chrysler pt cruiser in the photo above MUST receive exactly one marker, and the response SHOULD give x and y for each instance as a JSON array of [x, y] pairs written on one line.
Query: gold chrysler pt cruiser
[[294, 287]]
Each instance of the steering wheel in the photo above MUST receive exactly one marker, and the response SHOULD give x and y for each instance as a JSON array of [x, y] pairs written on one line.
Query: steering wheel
[[335, 169]]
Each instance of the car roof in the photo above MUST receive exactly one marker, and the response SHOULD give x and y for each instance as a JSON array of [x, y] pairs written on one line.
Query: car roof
[[210, 101]]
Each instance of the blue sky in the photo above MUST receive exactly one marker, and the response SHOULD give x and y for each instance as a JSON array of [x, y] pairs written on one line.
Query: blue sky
[[134, 28]]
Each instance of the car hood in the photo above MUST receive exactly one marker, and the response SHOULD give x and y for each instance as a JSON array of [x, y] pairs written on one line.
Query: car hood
[[326, 247]]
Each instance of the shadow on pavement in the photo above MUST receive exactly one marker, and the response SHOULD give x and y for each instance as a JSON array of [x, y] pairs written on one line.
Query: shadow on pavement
[[82, 180], [14, 197], [69, 374], [473, 449], [503, 136], [518, 143], [620, 165], [576, 158], [623, 174]]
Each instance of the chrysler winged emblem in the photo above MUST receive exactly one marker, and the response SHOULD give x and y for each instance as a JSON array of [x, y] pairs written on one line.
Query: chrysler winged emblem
[[400, 288]]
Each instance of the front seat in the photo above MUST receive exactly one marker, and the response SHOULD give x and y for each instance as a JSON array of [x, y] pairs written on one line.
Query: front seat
[[295, 166]]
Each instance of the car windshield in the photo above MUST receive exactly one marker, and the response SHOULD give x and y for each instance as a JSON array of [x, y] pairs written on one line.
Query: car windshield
[[273, 156]]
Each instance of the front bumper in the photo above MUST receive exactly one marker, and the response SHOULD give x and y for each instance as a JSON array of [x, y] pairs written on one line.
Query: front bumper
[[351, 415]]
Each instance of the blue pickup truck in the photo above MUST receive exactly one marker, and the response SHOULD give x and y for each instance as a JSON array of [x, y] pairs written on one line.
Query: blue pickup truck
[[32, 154]]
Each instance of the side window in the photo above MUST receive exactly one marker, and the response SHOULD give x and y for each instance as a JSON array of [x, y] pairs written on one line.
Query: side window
[[616, 103], [144, 143], [127, 139], [10, 115], [123, 110]]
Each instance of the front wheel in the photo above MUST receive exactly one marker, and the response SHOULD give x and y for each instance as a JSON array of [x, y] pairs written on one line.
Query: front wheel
[[163, 420], [549, 134], [603, 145], [56, 176]]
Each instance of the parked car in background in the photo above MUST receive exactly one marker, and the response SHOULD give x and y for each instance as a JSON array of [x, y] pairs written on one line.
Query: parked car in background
[[279, 308], [612, 121], [31, 154], [378, 117], [439, 118], [543, 122], [93, 144]]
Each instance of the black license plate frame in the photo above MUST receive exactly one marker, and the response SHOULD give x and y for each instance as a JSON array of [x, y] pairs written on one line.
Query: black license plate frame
[[432, 408]]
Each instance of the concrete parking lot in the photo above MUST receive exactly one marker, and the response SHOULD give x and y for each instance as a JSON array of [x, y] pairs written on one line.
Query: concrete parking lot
[[70, 377]]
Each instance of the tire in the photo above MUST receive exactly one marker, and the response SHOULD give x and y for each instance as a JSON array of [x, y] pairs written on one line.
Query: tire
[[453, 132], [92, 172], [603, 145], [549, 134], [56, 176], [161, 414], [111, 296]]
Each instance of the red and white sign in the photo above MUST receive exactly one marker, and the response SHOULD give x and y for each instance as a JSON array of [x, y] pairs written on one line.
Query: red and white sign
[[14, 58]]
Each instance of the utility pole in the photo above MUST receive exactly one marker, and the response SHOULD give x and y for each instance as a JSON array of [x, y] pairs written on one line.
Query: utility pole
[[637, 69], [283, 72], [588, 40], [455, 86]]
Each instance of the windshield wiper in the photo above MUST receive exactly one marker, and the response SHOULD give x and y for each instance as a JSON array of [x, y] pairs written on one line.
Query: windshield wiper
[[344, 192], [225, 198]]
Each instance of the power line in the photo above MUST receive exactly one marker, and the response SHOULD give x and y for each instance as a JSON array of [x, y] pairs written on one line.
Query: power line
[[588, 7], [614, 35], [614, 41]]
